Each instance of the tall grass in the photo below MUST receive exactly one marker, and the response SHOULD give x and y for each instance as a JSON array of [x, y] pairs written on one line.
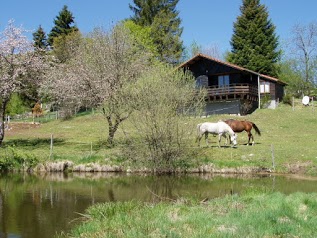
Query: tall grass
[[251, 215]]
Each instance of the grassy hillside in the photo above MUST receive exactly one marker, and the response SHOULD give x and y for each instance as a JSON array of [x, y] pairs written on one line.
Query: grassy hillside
[[288, 138]]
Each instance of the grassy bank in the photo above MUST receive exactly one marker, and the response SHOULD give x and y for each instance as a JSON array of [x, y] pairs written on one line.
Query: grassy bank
[[287, 144], [249, 215]]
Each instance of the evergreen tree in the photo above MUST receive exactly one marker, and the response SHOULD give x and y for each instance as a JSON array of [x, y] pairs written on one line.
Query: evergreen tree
[[254, 42], [63, 25], [39, 39], [162, 17]]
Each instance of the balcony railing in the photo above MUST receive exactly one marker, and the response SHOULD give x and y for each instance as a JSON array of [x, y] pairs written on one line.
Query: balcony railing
[[232, 90]]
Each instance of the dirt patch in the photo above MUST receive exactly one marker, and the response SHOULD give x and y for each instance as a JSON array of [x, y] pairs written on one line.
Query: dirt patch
[[17, 127]]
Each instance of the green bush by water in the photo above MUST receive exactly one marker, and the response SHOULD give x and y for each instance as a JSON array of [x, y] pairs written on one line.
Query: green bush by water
[[15, 159]]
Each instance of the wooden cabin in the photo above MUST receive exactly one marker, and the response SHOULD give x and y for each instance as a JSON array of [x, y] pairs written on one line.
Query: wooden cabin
[[232, 89]]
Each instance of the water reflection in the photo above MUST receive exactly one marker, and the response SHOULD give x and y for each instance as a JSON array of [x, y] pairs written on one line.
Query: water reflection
[[44, 205]]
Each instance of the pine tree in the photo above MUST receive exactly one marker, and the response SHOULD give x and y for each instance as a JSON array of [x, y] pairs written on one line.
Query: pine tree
[[39, 39], [63, 25], [162, 17], [254, 42]]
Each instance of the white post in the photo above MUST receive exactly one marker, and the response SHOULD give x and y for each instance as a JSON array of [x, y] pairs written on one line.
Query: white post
[[273, 160], [259, 92]]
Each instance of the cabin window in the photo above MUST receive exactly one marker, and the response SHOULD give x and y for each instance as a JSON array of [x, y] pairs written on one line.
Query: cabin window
[[265, 87], [202, 81], [223, 80]]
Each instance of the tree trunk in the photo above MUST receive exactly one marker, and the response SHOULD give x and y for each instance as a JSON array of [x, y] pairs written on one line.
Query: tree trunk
[[113, 127], [2, 120], [114, 121]]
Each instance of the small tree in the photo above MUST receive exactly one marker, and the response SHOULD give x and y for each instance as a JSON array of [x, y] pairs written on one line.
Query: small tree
[[17, 62], [163, 99], [39, 39]]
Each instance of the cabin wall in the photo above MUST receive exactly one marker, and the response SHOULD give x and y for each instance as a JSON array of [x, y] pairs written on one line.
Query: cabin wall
[[223, 107], [279, 92], [235, 78], [236, 107]]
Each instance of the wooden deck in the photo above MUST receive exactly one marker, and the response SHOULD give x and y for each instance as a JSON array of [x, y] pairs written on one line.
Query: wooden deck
[[232, 91]]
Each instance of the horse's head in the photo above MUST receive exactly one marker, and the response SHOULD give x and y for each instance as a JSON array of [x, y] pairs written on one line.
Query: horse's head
[[233, 139]]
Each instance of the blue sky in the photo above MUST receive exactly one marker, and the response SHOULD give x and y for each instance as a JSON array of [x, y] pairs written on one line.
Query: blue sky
[[208, 22]]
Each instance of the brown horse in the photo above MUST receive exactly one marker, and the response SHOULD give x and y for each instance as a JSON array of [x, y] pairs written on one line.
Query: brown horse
[[239, 126]]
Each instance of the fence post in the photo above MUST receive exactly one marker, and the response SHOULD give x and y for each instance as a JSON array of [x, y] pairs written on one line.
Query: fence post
[[51, 147], [273, 160]]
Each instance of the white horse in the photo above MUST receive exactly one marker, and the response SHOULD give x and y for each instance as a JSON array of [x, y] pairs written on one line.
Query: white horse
[[219, 128]]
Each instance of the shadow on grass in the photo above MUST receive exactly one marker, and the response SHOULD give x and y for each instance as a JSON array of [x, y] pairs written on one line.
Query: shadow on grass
[[33, 142]]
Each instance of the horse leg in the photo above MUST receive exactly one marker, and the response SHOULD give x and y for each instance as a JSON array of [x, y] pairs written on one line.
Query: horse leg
[[225, 136], [219, 139], [198, 139], [206, 139], [250, 137]]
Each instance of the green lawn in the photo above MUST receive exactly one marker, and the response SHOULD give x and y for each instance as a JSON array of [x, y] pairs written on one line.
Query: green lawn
[[288, 139]]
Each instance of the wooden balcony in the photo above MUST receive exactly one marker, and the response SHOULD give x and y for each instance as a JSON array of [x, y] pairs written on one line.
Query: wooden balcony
[[232, 91]]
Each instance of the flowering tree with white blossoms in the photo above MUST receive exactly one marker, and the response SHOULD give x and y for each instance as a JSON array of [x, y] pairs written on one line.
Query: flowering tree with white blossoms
[[99, 74], [17, 62]]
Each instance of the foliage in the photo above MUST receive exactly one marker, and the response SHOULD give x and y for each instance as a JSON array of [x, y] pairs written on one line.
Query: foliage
[[142, 35], [288, 99], [20, 67], [291, 74], [65, 46], [15, 159], [162, 17], [16, 105], [265, 100], [254, 42], [63, 25], [39, 39], [162, 99]]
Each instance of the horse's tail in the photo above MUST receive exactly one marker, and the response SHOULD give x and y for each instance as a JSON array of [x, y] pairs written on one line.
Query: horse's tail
[[257, 130]]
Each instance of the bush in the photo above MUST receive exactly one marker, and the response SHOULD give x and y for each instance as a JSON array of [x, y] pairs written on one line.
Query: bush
[[163, 99], [287, 99], [13, 159], [16, 106]]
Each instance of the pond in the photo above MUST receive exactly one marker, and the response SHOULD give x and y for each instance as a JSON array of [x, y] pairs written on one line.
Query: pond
[[41, 206]]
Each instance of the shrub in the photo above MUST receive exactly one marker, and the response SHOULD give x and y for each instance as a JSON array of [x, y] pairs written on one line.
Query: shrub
[[13, 159]]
